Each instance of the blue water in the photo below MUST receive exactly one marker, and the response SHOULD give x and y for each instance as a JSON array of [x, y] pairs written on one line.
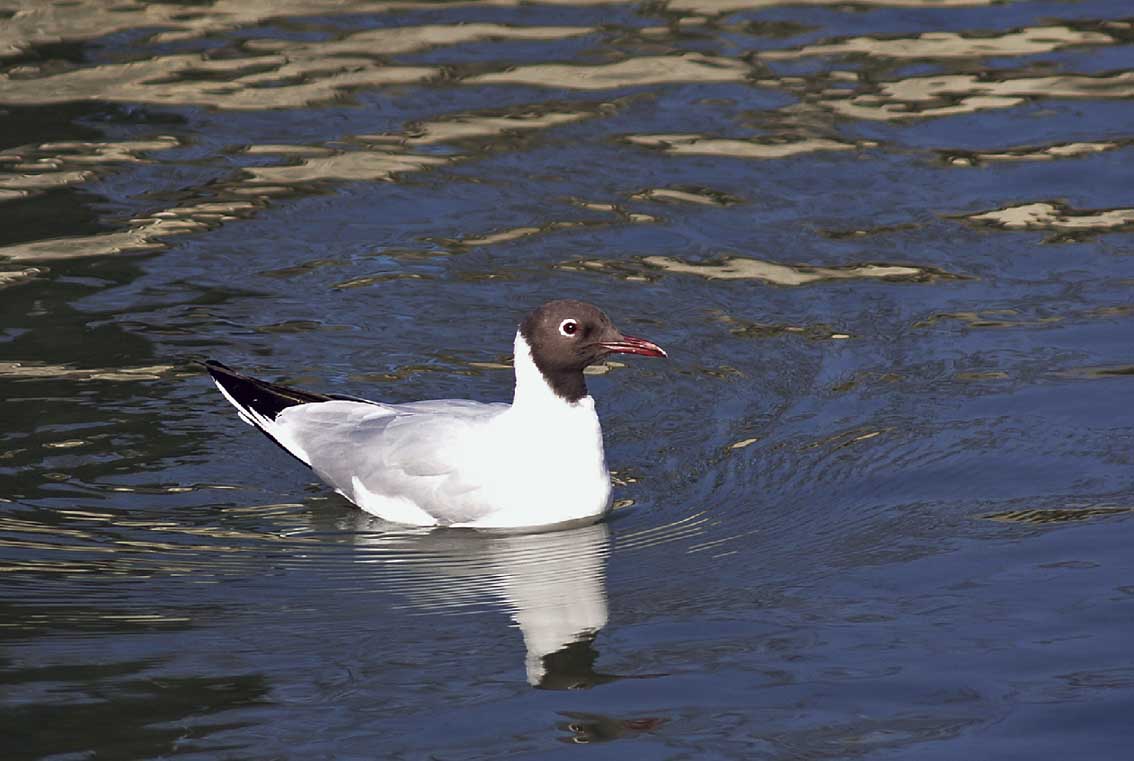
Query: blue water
[[876, 505]]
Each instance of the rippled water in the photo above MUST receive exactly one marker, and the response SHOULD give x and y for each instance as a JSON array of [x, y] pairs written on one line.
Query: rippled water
[[876, 505]]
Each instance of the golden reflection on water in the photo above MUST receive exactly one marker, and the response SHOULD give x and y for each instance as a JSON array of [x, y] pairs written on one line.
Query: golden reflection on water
[[47, 22], [44, 23], [700, 196], [1029, 41], [750, 149], [483, 126], [22, 185], [270, 72], [147, 235], [1050, 216], [366, 45], [718, 7], [745, 268], [367, 157], [1042, 153], [354, 165], [516, 233], [275, 73], [18, 276], [254, 83], [649, 70], [617, 214], [947, 94], [36, 370], [35, 168]]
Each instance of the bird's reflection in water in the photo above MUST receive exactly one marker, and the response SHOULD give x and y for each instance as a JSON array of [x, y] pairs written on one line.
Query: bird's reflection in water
[[554, 585]]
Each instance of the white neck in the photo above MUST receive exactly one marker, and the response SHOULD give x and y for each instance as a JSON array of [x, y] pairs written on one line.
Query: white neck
[[532, 389], [554, 450]]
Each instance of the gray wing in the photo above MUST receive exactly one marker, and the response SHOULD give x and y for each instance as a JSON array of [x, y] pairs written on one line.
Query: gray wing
[[414, 450]]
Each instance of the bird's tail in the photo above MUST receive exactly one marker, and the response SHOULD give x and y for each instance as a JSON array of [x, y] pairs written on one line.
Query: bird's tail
[[253, 396], [258, 402]]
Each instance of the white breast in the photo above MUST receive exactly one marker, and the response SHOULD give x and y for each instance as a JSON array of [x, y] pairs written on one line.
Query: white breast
[[554, 470]]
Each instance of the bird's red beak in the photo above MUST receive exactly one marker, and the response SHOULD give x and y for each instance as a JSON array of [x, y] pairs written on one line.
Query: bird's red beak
[[632, 345]]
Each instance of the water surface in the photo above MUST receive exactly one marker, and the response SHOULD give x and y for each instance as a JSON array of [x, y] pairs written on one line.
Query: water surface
[[877, 505]]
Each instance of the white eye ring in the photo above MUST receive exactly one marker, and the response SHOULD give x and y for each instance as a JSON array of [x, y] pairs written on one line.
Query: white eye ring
[[568, 327]]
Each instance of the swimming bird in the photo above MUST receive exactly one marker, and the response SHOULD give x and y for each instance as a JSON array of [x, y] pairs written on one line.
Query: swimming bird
[[535, 462]]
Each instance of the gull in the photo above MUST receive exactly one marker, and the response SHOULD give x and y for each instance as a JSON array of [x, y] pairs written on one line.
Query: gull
[[534, 463]]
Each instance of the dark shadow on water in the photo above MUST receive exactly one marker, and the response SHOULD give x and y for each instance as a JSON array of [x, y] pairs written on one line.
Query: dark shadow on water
[[46, 214], [114, 711]]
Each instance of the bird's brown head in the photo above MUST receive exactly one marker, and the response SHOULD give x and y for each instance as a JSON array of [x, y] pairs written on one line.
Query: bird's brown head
[[566, 336]]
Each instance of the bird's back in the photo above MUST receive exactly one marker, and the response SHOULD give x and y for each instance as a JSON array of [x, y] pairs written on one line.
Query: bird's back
[[415, 463]]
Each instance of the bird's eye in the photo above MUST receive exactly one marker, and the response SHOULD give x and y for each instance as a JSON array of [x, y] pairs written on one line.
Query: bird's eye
[[568, 327]]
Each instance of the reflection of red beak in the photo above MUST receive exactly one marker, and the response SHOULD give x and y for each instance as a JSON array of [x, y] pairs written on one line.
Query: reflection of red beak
[[632, 345]]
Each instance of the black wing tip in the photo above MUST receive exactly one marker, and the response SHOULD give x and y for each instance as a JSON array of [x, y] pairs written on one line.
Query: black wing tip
[[250, 394], [255, 395], [215, 368]]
